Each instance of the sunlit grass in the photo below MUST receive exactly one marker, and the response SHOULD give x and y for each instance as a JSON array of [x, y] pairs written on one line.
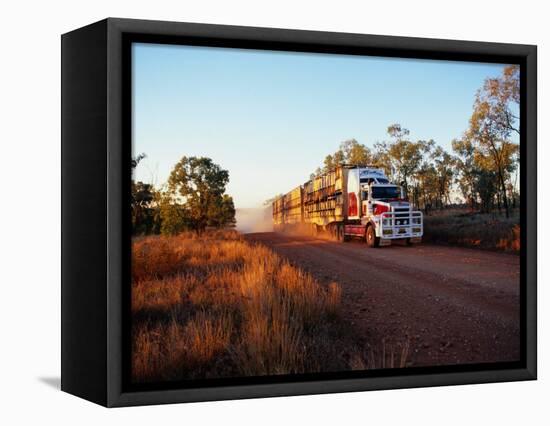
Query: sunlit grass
[[218, 306]]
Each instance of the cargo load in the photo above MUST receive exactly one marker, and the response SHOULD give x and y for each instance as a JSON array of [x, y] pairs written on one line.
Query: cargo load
[[350, 202]]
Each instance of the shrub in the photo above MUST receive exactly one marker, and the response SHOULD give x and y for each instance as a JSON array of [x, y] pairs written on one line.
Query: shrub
[[486, 231]]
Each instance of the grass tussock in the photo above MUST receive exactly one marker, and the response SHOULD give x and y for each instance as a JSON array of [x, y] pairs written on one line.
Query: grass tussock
[[485, 231], [217, 306]]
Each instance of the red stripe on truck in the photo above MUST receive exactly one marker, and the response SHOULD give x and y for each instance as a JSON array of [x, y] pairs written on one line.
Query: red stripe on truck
[[355, 229], [352, 204], [379, 209]]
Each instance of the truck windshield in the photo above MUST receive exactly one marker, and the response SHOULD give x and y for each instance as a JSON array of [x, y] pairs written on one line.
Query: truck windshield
[[382, 192]]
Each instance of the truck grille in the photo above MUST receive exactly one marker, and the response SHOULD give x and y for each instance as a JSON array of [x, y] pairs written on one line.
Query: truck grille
[[401, 217]]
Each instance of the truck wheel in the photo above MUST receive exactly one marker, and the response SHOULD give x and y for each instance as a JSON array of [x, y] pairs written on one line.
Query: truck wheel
[[333, 231], [315, 230], [372, 239], [340, 237], [345, 237]]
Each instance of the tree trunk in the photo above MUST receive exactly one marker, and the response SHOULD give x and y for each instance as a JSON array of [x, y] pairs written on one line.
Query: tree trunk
[[504, 196]]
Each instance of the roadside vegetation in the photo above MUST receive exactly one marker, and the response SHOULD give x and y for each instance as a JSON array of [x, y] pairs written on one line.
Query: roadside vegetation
[[214, 305], [460, 227], [194, 198]]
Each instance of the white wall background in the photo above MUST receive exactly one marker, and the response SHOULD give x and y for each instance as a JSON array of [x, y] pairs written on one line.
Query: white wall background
[[30, 241]]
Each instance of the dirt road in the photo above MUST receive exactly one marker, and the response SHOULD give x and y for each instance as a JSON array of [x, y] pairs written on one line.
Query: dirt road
[[452, 305]]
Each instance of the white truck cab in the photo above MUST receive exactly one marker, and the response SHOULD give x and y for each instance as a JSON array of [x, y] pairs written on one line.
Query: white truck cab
[[384, 210]]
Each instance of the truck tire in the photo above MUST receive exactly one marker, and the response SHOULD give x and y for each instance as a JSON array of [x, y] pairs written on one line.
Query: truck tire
[[314, 230], [333, 231], [371, 238], [340, 237], [345, 237]]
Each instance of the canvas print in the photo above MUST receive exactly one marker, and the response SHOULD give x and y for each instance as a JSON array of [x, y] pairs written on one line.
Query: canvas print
[[304, 213]]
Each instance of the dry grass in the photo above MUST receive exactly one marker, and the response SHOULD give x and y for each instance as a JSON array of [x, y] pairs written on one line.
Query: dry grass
[[217, 306], [485, 231]]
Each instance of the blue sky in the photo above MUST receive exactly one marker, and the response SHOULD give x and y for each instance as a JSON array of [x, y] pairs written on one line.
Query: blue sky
[[270, 118]]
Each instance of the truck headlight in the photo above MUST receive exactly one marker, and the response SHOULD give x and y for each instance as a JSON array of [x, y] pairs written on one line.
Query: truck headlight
[[416, 230], [387, 231]]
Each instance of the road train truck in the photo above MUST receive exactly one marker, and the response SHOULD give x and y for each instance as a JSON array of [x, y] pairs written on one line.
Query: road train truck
[[350, 202]]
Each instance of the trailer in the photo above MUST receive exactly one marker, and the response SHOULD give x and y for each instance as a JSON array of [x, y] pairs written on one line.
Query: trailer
[[350, 202]]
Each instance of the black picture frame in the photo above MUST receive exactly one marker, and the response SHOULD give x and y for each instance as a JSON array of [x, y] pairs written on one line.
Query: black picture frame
[[96, 135]]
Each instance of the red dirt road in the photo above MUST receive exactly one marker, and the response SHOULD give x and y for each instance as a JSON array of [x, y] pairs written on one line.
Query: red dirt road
[[453, 305]]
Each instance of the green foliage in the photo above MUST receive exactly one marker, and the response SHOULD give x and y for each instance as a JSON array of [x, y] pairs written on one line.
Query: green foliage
[[466, 168], [174, 217], [485, 185], [444, 168], [144, 204], [355, 153], [222, 213], [350, 152], [195, 197], [492, 123], [408, 162], [407, 158], [145, 217]]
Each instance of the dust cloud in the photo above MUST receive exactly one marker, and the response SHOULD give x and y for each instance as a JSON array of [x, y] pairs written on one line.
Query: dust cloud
[[254, 220]]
